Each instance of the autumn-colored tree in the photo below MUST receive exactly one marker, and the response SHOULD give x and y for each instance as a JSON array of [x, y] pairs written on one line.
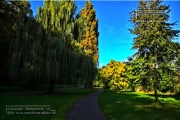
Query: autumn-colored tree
[[89, 38], [113, 75]]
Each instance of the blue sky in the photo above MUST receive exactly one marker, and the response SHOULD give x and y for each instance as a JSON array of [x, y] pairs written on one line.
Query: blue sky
[[115, 41]]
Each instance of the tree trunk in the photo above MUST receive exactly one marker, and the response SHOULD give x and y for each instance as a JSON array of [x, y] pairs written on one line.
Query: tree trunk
[[51, 86], [155, 85], [90, 85], [156, 97], [85, 85], [133, 88]]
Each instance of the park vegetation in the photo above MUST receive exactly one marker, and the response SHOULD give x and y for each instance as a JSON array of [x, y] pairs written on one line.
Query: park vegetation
[[125, 105], [156, 64], [57, 46], [60, 46]]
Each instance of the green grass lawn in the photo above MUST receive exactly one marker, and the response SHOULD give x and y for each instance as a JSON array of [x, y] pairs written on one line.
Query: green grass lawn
[[138, 106], [61, 102]]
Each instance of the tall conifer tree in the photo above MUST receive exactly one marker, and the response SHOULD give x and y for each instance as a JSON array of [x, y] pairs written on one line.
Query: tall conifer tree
[[153, 41], [90, 36]]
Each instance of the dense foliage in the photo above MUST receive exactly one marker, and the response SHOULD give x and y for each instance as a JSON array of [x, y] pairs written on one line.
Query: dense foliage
[[49, 49], [155, 65], [90, 36], [153, 42], [113, 76], [9, 11], [60, 46]]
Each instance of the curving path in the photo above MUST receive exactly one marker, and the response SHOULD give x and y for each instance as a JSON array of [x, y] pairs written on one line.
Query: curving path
[[86, 108]]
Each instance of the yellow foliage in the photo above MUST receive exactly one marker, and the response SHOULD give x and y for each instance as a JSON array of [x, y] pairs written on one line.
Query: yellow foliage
[[113, 72]]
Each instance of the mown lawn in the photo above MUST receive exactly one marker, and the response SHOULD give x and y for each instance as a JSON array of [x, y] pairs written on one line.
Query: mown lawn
[[61, 102], [138, 106]]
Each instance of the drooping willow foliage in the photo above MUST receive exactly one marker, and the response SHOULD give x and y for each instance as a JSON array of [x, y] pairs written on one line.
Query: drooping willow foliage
[[20, 49], [46, 49]]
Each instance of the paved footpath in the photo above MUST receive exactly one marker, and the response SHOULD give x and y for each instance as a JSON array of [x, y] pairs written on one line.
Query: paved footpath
[[86, 108]]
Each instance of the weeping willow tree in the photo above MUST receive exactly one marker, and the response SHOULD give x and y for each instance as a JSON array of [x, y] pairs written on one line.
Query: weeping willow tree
[[80, 26], [88, 72], [46, 51], [20, 49], [61, 51], [56, 19]]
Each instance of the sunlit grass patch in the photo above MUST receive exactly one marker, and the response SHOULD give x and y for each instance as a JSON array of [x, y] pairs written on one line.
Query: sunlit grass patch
[[138, 106]]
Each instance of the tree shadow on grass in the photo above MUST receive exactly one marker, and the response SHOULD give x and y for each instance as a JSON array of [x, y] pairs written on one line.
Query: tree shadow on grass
[[177, 97], [132, 106], [58, 92]]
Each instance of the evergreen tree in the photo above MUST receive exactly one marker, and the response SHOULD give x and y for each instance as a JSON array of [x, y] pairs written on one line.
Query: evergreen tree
[[153, 42], [133, 68], [177, 69]]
